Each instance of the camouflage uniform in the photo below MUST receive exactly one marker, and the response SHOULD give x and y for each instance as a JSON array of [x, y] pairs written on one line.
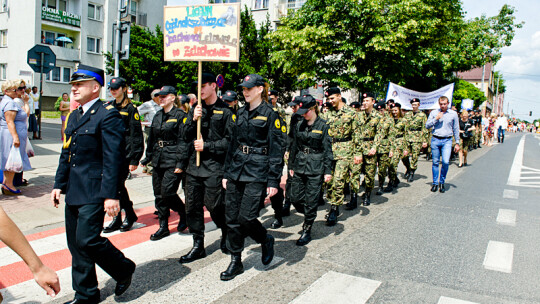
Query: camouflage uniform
[[415, 134], [397, 139], [383, 160], [342, 128], [365, 139]]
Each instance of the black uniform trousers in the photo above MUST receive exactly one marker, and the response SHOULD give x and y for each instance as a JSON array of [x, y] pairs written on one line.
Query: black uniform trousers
[[241, 212], [125, 201], [88, 248], [165, 183], [200, 192], [305, 191]]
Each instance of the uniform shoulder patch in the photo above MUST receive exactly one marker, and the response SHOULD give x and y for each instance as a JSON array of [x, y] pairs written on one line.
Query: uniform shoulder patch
[[284, 129], [184, 120], [136, 116], [277, 123], [234, 117], [109, 107]]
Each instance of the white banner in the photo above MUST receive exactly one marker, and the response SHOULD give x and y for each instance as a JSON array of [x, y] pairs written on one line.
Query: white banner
[[428, 101]]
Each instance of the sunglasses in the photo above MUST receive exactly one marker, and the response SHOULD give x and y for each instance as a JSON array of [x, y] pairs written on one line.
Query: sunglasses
[[21, 88]]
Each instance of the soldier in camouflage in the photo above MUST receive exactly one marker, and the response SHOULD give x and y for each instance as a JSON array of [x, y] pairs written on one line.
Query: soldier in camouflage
[[383, 158], [367, 141], [415, 136], [397, 148], [341, 121]]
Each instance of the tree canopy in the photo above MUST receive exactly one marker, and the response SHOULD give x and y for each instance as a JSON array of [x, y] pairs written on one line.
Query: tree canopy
[[419, 44]]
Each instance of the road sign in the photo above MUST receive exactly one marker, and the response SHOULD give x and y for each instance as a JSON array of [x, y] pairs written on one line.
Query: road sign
[[34, 58], [220, 81], [125, 30]]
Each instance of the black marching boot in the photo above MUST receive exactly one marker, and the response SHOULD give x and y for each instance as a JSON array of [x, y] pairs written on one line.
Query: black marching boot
[[395, 182], [306, 236], [163, 230], [411, 176], [223, 242], [267, 249], [331, 218], [286, 210], [321, 201], [367, 197], [277, 223], [197, 252], [130, 219], [380, 190], [235, 268], [389, 187], [353, 204], [114, 225]]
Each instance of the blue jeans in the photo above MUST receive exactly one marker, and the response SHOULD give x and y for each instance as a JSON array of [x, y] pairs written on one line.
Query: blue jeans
[[500, 134], [440, 147]]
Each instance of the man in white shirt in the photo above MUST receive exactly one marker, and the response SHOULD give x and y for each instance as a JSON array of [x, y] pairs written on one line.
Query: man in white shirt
[[34, 95], [501, 124]]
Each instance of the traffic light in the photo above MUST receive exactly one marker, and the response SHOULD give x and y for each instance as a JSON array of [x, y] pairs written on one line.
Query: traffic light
[[530, 113]]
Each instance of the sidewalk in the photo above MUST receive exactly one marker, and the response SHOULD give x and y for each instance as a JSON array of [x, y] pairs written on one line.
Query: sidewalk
[[33, 209]]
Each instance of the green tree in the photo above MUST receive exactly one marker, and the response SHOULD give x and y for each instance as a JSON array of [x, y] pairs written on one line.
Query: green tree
[[364, 44], [466, 90]]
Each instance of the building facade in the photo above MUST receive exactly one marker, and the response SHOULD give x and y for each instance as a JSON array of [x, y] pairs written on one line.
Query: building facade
[[488, 84], [77, 31]]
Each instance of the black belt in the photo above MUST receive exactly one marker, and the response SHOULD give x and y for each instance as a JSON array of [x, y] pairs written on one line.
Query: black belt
[[440, 137], [310, 151], [419, 129], [399, 136], [368, 138], [344, 139], [164, 143], [251, 150]]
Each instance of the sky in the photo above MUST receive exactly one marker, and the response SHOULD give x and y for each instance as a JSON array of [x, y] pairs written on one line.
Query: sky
[[520, 62]]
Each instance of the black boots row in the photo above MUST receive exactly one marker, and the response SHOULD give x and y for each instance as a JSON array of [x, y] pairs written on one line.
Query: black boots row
[[163, 230], [124, 226], [236, 267]]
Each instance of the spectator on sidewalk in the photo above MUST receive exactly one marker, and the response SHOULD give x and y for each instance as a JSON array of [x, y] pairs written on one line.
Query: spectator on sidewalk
[[64, 111], [13, 132], [149, 110], [32, 121], [12, 236], [445, 124], [501, 125], [491, 128]]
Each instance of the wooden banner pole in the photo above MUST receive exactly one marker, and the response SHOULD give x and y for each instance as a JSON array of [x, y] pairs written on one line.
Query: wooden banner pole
[[199, 88]]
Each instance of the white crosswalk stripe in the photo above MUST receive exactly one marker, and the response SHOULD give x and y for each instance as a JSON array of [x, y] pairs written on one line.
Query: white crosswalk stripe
[[499, 256], [507, 217], [341, 288], [520, 175], [446, 300]]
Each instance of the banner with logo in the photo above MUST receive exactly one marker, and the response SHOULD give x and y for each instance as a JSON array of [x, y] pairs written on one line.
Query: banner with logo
[[209, 32], [428, 101]]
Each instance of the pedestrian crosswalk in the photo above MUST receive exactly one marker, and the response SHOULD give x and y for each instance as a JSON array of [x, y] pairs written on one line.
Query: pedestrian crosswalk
[[520, 175]]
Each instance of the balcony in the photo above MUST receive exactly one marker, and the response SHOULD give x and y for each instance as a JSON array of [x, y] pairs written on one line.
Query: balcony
[[64, 53]]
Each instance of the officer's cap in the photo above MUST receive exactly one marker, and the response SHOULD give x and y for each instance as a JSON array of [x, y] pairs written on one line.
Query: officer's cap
[[415, 100], [230, 96], [295, 101], [166, 90], [117, 82], [183, 98], [206, 78], [306, 102], [252, 80], [85, 73], [273, 92], [368, 95], [355, 104], [331, 91]]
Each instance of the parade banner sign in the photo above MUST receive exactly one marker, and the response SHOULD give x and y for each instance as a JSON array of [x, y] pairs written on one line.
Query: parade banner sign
[[467, 104], [208, 32], [428, 101]]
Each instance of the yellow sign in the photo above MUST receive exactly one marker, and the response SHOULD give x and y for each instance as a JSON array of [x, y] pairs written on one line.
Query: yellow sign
[[202, 32]]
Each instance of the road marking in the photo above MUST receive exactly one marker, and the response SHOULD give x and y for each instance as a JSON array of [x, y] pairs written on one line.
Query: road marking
[[515, 171], [341, 288], [446, 300], [507, 217], [499, 256], [507, 193], [41, 247]]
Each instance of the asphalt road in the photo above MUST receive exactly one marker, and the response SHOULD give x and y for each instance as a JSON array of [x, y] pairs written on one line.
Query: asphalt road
[[476, 243]]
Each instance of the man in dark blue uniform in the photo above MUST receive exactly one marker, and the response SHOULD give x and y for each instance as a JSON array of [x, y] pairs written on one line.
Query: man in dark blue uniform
[[89, 175]]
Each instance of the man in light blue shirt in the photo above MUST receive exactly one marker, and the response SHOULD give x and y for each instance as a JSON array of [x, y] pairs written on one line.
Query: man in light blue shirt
[[445, 124]]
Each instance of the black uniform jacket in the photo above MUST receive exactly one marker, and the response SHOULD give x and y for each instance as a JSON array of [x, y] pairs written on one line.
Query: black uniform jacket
[[311, 152], [295, 118], [164, 147], [216, 130], [92, 156], [260, 129], [133, 131]]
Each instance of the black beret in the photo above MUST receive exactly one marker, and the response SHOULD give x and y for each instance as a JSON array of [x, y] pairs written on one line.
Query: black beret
[[333, 90], [368, 95], [415, 100]]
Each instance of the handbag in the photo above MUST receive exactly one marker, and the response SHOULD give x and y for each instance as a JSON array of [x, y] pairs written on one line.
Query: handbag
[[29, 149]]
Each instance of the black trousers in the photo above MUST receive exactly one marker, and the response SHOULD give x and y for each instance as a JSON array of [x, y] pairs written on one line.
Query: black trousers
[[88, 248], [241, 213], [201, 192], [165, 183], [125, 201], [305, 190]]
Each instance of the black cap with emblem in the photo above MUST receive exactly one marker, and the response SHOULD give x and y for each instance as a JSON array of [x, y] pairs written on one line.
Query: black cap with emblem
[[252, 80], [183, 98], [166, 90], [230, 96], [86, 73], [306, 102], [117, 82]]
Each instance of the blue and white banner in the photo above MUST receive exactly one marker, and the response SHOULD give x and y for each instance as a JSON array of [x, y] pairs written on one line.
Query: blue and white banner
[[428, 101], [467, 104]]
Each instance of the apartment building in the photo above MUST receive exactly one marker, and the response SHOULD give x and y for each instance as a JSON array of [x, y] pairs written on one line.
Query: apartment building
[[77, 31]]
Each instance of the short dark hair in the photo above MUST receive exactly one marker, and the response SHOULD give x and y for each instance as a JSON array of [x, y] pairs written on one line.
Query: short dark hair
[[34, 87]]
